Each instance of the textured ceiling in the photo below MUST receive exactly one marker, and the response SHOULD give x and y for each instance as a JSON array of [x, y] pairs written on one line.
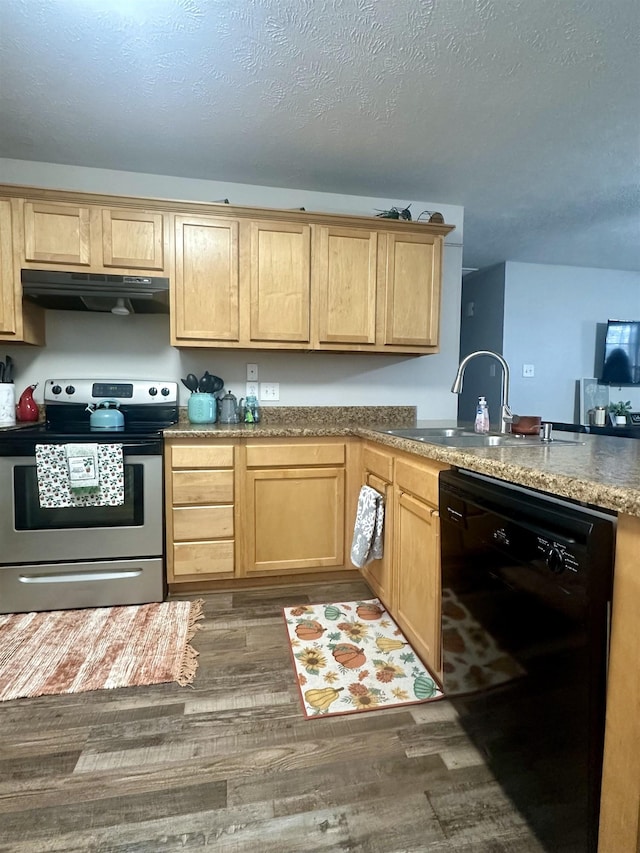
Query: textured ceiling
[[527, 112]]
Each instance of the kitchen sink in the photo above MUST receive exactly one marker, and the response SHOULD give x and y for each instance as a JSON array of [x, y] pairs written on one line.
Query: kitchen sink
[[461, 437]]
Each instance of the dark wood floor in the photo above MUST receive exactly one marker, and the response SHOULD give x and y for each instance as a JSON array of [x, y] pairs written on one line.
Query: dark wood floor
[[232, 765]]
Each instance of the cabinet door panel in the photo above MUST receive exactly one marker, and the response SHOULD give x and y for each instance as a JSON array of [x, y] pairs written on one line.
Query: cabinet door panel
[[57, 233], [133, 238], [295, 519], [378, 573], [206, 279], [412, 314], [7, 273], [417, 570], [279, 271], [346, 280]]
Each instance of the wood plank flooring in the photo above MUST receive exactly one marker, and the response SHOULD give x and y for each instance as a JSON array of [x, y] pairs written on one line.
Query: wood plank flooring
[[231, 765]]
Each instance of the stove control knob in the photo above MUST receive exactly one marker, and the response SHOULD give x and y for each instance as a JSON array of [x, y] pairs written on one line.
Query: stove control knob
[[165, 392], [56, 389], [153, 391], [555, 560], [70, 389]]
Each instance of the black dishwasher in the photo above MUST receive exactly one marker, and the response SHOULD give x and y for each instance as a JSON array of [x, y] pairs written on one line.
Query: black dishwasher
[[526, 592]]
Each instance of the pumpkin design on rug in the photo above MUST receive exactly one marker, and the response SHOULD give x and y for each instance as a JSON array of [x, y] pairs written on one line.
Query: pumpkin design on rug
[[351, 657]]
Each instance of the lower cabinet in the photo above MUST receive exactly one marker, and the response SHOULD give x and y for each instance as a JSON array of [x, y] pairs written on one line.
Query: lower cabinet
[[407, 578], [293, 516], [200, 480], [417, 583], [257, 509], [377, 467]]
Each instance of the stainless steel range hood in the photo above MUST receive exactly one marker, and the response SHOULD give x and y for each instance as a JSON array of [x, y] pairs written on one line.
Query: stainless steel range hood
[[79, 291]]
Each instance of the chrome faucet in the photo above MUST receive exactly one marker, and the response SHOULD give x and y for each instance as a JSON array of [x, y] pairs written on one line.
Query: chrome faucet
[[506, 415]]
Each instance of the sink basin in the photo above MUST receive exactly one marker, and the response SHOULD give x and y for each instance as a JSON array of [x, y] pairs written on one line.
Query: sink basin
[[422, 433], [460, 437]]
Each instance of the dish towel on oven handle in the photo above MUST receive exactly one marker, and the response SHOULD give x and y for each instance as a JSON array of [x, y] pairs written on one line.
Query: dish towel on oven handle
[[368, 530], [82, 465], [54, 483]]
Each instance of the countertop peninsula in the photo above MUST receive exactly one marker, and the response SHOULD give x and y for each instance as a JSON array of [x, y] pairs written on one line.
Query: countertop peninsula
[[599, 470]]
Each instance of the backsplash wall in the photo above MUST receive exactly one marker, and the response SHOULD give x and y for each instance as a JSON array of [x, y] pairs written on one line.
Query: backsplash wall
[[106, 346]]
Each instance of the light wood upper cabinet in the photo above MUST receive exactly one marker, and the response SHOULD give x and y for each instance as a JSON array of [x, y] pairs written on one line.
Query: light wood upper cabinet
[[19, 323], [7, 275], [412, 289], [57, 233], [276, 278], [376, 290], [133, 239], [205, 292], [100, 239], [249, 278], [345, 285]]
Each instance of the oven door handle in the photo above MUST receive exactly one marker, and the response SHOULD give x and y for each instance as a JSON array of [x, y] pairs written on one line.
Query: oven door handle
[[74, 577]]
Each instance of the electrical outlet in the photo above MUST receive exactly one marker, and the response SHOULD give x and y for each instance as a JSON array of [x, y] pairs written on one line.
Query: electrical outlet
[[252, 372], [269, 390], [251, 389], [528, 370]]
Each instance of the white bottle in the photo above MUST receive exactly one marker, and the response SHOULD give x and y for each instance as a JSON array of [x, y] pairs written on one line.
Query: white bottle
[[482, 416]]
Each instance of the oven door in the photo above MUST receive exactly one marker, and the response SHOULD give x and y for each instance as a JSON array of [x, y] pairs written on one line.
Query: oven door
[[31, 534]]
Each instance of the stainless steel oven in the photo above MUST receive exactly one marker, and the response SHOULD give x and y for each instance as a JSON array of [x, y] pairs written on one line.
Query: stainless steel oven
[[63, 557]]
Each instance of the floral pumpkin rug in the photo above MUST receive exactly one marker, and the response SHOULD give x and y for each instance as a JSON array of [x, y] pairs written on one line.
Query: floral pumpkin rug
[[352, 657]]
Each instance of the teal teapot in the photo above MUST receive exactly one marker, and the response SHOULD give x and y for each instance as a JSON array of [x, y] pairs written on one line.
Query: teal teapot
[[105, 416]]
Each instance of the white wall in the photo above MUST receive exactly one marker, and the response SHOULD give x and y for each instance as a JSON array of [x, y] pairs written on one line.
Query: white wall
[[84, 344], [551, 315]]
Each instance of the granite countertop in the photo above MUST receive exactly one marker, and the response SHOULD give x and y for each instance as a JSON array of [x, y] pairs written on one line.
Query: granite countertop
[[601, 470]]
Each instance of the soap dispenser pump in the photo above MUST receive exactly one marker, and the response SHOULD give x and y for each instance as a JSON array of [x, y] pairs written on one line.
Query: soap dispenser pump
[[482, 416]]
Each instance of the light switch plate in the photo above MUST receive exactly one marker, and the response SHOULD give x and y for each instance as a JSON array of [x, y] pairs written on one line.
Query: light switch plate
[[269, 390]]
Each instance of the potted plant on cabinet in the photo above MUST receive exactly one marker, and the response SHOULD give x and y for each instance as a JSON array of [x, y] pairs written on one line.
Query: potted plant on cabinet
[[619, 412]]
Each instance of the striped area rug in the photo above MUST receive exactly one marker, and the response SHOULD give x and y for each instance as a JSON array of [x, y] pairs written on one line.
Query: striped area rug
[[72, 651]]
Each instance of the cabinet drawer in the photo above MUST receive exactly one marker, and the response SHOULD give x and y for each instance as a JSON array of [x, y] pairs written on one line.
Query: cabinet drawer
[[202, 487], [202, 456], [419, 479], [203, 558], [378, 463], [294, 455], [202, 522]]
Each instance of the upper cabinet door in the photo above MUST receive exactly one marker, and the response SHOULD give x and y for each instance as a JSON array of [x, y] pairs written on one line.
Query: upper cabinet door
[[206, 279], [279, 279], [412, 310], [133, 238], [7, 273], [345, 279], [57, 233]]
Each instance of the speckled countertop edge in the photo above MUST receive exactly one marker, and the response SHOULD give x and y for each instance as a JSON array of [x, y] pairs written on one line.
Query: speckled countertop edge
[[601, 470]]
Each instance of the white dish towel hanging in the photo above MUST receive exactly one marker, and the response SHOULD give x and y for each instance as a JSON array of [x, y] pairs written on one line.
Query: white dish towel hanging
[[368, 530]]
